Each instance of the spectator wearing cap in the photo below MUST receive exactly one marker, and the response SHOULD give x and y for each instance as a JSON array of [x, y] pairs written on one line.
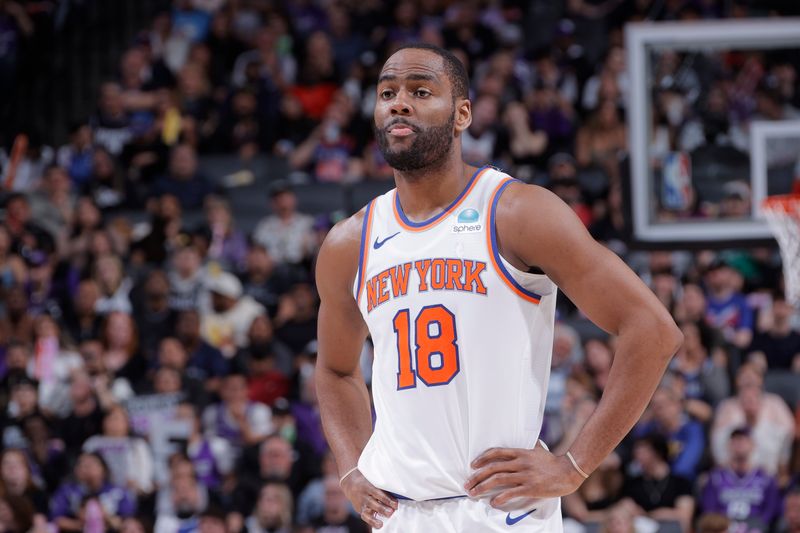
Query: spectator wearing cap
[[273, 510], [227, 320], [779, 345], [685, 437], [286, 234], [45, 296], [183, 179], [656, 492], [766, 414], [735, 201], [747, 495], [727, 308]]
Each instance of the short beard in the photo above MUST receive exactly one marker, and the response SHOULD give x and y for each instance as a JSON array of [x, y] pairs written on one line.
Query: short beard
[[429, 148]]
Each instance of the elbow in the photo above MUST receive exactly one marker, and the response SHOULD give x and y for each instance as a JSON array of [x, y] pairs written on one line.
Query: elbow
[[671, 338]]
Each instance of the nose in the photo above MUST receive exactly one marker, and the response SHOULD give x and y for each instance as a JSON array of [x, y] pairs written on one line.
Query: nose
[[400, 106]]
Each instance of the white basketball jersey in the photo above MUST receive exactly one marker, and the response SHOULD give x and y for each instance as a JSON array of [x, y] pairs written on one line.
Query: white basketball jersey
[[462, 341]]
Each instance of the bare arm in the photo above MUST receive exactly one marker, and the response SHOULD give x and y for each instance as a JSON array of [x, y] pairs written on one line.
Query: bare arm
[[343, 397], [609, 293], [535, 228], [302, 155]]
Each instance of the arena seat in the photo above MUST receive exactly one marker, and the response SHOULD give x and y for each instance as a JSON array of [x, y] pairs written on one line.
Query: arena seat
[[317, 198], [785, 384], [361, 193]]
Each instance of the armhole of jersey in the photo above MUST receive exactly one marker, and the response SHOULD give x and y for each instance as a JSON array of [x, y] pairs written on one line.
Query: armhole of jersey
[[494, 250], [366, 230]]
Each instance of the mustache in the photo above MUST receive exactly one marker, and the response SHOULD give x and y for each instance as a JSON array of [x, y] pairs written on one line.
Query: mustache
[[402, 121]]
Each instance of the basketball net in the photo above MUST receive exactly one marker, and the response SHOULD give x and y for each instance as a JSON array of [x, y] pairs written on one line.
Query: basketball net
[[783, 215]]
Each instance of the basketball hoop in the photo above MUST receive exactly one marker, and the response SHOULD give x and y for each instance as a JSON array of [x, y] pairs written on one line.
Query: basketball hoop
[[783, 215]]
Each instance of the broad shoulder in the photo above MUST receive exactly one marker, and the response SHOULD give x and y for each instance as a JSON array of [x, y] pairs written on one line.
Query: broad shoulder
[[521, 199]]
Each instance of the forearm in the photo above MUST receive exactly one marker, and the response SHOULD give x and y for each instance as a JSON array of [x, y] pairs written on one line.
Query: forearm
[[346, 415], [639, 364]]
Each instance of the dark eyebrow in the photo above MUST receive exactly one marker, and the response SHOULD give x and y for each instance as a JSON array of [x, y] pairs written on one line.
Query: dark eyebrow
[[414, 77]]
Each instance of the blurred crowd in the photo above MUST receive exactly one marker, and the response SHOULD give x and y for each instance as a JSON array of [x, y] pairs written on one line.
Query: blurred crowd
[[157, 375]]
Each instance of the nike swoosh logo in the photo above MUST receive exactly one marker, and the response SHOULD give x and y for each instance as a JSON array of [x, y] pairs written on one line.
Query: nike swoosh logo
[[513, 520], [377, 244]]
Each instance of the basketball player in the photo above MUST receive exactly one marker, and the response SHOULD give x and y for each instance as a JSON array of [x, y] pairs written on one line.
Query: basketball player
[[454, 275]]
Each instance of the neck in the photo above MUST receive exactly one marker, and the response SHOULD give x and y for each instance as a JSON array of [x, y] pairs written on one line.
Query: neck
[[425, 192]]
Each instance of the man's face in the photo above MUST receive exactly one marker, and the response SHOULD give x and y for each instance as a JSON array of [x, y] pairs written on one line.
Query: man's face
[[415, 112]]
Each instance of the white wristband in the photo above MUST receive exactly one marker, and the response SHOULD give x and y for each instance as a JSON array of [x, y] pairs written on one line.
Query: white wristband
[[347, 474], [575, 464]]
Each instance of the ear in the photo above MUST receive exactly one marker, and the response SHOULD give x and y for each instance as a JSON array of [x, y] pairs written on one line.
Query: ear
[[463, 115]]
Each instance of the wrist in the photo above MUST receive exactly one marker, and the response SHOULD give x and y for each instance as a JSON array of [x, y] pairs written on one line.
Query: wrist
[[574, 473]]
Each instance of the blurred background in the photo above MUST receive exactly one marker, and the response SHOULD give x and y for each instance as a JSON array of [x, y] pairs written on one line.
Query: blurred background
[[168, 170]]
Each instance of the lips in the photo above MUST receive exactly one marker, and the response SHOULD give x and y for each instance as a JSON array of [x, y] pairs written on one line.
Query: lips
[[400, 129]]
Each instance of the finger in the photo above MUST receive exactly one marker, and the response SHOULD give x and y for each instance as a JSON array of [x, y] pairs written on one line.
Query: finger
[[384, 498], [507, 495], [495, 454], [495, 481], [371, 519], [490, 470]]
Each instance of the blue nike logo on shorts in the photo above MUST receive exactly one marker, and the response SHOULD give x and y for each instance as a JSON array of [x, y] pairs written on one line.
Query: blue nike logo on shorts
[[513, 520], [377, 244]]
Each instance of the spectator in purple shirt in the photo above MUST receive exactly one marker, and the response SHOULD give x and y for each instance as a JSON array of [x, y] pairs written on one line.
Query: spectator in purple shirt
[[747, 495], [91, 481]]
